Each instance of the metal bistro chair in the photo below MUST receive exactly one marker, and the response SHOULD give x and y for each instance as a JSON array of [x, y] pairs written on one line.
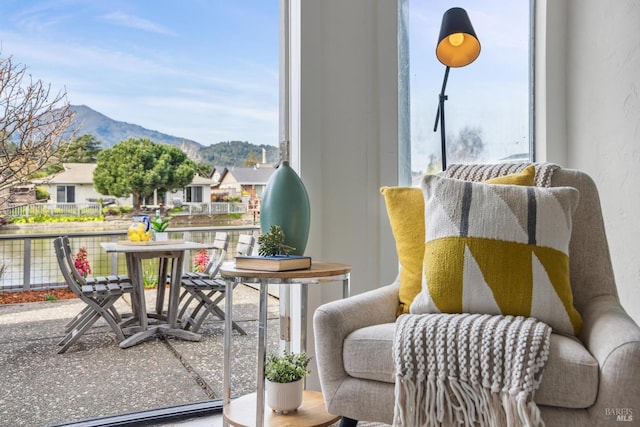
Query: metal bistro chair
[[209, 291], [98, 293]]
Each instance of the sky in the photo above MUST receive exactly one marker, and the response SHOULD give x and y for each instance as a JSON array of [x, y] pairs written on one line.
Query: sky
[[490, 94], [205, 70]]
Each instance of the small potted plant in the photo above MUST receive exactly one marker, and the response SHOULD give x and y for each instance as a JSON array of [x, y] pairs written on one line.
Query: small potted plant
[[272, 243], [284, 376], [159, 227]]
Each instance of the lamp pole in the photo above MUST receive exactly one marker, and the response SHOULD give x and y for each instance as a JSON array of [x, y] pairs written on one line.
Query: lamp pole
[[440, 117]]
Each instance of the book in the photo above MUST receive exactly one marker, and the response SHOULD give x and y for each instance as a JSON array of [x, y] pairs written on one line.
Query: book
[[273, 263]]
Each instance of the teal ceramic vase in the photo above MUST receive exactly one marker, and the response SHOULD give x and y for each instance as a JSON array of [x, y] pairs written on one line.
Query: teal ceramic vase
[[285, 203]]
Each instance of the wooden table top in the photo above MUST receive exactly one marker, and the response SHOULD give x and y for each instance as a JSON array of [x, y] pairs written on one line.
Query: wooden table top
[[318, 269], [151, 246], [241, 413]]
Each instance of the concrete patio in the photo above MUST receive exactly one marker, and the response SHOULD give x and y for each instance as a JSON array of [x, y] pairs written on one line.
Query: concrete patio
[[95, 378]]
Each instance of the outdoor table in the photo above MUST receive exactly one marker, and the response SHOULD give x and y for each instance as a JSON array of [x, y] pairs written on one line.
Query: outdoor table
[[169, 252]]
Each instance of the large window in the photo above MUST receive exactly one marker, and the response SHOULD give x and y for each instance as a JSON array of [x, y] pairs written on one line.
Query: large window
[[66, 194], [489, 101], [193, 194]]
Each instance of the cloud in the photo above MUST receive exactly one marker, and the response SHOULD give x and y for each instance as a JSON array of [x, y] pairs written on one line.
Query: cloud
[[129, 21]]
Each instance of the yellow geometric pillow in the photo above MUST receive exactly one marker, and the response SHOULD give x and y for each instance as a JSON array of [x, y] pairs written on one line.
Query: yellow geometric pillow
[[405, 209], [498, 249]]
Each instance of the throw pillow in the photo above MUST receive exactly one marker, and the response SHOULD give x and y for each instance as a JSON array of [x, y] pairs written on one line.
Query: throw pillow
[[405, 209], [498, 249]]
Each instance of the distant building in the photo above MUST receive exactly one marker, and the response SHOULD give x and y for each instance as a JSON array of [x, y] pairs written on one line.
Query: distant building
[[235, 182], [75, 185]]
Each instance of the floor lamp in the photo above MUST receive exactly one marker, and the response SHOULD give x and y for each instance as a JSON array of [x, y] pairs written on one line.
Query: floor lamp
[[457, 46]]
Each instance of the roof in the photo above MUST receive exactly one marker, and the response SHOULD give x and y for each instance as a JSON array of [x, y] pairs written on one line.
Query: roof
[[249, 176], [199, 180], [82, 173], [74, 173]]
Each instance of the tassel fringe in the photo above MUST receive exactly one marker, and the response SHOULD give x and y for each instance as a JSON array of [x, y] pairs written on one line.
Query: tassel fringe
[[429, 391]]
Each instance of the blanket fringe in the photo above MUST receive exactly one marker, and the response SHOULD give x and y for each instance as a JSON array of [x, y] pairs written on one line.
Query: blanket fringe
[[444, 379], [458, 404]]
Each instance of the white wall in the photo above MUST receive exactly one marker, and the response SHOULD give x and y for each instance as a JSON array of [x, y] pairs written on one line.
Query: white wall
[[344, 138], [347, 136], [592, 98]]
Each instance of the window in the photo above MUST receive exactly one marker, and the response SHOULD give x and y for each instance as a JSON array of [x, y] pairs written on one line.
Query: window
[[193, 194], [489, 106], [66, 194]]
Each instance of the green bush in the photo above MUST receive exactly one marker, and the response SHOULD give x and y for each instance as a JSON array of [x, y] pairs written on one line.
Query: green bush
[[42, 193]]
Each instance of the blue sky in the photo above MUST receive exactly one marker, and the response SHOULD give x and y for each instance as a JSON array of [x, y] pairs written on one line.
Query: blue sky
[[490, 94], [205, 70]]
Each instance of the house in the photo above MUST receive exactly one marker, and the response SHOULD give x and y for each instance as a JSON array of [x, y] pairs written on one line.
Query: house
[[75, 185], [236, 181]]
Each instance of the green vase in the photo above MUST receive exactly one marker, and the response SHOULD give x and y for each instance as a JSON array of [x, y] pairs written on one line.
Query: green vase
[[285, 203]]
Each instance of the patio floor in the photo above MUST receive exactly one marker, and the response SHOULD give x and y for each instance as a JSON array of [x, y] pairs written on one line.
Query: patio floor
[[96, 378]]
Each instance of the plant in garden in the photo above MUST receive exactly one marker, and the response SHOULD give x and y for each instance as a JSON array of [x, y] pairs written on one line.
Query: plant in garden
[[200, 260], [149, 280], [272, 243], [287, 368], [50, 297], [82, 263]]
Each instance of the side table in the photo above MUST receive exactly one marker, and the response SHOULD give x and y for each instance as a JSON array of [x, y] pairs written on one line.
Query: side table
[[311, 413]]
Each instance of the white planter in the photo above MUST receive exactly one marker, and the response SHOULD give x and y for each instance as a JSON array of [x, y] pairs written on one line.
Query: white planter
[[284, 397], [161, 236]]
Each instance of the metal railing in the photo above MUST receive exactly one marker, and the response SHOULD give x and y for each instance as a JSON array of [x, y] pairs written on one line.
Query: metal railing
[[22, 210], [30, 263]]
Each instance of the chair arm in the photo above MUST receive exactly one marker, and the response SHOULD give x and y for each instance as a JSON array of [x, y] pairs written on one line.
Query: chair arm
[[613, 338], [335, 320]]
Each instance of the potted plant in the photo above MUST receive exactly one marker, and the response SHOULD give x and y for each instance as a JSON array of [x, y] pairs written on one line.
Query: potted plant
[[159, 227], [284, 376], [272, 243]]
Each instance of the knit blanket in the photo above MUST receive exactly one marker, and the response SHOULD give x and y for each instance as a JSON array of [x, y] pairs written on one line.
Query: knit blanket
[[468, 370], [483, 172]]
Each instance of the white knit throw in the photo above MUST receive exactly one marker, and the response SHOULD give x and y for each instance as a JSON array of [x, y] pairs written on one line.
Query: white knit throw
[[468, 370]]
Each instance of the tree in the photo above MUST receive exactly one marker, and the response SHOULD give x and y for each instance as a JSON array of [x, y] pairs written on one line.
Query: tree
[[251, 160], [137, 167], [468, 146], [83, 149], [33, 123]]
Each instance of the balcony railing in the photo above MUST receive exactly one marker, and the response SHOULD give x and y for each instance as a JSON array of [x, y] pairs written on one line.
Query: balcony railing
[[29, 260]]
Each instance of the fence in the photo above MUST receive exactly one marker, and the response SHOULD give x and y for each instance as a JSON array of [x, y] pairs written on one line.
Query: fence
[[21, 210], [30, 263]]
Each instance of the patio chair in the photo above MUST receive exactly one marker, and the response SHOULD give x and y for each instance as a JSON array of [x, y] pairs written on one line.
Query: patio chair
[[99, 294], [209, 291], [92, 281]]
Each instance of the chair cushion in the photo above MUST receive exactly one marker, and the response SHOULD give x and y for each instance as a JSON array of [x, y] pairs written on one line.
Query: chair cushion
[[405, 209], [498, 249], [569, 380]]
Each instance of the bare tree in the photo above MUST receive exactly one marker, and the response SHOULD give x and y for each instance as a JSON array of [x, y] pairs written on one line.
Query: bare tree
[[468, 146], [33, 123]]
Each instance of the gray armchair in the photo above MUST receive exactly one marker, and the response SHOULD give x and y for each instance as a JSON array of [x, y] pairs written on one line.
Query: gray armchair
[[589, 380]]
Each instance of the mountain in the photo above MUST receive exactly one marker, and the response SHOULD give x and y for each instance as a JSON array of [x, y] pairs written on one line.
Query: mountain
[[110, 132]]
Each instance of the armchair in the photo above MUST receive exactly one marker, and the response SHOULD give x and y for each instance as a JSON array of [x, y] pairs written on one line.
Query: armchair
[[589, 380]]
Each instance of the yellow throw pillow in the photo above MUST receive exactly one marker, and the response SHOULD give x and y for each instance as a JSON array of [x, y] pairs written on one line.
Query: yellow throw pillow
[[405, 208], [498, 249]]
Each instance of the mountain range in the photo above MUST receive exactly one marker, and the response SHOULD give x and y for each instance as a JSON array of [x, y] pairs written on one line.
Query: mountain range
[[110, 132]]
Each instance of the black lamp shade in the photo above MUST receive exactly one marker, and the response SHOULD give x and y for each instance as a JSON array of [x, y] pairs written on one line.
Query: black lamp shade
[[457, 44]]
